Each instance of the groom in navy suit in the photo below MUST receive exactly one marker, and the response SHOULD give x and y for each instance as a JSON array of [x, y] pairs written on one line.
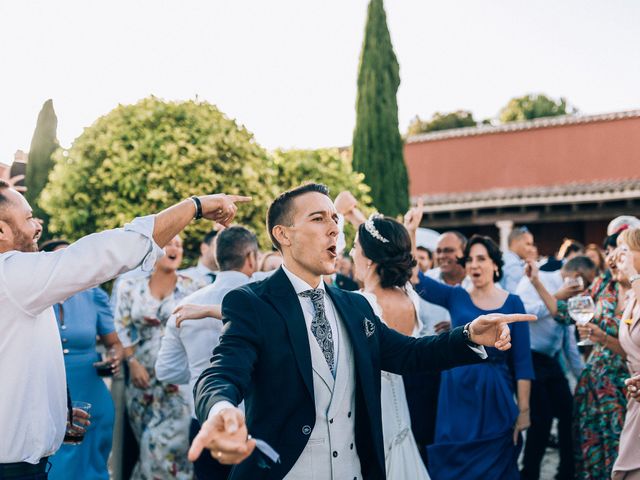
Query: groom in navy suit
[[306, 359]]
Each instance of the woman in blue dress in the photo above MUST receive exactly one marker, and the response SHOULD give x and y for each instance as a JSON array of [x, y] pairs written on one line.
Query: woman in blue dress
[[479, 423], [81, 318]]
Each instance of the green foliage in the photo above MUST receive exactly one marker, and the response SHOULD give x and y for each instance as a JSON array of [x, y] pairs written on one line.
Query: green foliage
[[139, 159], [441, 121], [40, 163], [529, 107], [377, 144]]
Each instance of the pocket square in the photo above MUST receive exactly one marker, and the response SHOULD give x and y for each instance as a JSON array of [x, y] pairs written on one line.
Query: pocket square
[[369, 327]]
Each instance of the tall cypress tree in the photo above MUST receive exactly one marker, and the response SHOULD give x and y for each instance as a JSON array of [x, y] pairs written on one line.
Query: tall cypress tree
[[43, 144], [377, 144]]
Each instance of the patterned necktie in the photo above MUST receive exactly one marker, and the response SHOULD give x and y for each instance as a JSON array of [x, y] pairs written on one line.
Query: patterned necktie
[[320, 325]]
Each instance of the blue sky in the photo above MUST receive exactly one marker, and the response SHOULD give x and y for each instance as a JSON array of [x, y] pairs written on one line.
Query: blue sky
[[287, 69]]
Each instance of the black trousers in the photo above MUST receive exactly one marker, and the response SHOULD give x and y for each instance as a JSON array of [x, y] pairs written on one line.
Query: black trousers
[[422, 390], [550, 398], [205, 467], [25, 471]]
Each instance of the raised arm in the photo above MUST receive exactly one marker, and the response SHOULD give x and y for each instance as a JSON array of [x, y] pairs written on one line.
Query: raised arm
[[39, 280], [433, 291]]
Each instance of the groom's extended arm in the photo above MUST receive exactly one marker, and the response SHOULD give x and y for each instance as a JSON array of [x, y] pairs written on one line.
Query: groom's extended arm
[[229, 376], [401, 354]]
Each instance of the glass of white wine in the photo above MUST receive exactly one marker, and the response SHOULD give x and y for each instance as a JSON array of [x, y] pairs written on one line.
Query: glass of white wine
[[581, 309]]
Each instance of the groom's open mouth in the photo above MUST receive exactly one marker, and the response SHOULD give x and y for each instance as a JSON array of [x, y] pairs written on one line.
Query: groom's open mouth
[[172, 257], [332, 251]]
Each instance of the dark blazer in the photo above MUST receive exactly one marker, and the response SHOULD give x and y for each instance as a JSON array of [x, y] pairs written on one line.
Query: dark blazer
[[264, 358]]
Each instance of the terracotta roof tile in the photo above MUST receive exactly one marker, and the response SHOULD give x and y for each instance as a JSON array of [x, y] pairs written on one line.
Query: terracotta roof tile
[[546, 122]]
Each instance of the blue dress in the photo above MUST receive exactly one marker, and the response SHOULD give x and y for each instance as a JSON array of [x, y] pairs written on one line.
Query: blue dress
[[476, 406], [86, 315]]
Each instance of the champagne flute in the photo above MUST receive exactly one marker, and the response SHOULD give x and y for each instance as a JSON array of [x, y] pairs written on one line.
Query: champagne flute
[[582, 309]]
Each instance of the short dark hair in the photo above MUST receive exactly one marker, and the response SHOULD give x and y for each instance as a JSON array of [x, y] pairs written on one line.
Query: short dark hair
[[516, 233], [460, 236], [394, 258], [233, 246], [210, 235], [579, 263], [280, 210], [425, 250], [611, 241], [51, 245], [492, 249], [3, 186]]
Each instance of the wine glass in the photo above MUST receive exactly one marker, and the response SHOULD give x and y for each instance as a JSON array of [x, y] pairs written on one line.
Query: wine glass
[[581, 309]]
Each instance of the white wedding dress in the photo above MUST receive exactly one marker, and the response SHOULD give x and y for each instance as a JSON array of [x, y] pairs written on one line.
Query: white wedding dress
[[402, 459]]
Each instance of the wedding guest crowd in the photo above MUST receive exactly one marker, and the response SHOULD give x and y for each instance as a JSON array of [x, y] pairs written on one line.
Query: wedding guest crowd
[[414, 375]]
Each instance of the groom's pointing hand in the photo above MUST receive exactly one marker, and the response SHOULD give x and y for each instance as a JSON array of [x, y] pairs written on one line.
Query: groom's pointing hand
[[225, 436], [493, 330]]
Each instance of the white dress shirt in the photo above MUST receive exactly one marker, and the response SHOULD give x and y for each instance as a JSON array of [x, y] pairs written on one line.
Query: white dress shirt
[[512, 271], [33, 404], [185, 352], [200, 273], [299, 285]]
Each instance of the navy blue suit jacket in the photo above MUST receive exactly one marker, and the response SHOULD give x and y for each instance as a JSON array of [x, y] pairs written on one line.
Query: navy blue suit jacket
[[264, 359]]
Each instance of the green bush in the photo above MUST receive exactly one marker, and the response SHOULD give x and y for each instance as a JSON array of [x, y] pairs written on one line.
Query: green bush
[[139, 159]]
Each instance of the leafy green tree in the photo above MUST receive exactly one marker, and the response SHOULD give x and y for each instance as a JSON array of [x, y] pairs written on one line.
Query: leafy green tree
[[141, 158], [43, 144], [533, 106], [377, 144], [441, 121]]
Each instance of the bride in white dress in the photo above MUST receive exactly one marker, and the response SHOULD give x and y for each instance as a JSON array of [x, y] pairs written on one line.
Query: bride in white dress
[[384, 263]]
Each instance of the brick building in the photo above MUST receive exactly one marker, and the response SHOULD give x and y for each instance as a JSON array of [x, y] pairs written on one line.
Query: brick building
[[560, 176]]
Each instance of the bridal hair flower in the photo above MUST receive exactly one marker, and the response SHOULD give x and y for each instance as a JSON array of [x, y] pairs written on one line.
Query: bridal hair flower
[[373, 231]]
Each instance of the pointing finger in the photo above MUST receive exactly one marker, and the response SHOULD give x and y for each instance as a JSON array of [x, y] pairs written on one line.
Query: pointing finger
[[198, 444], [239, 198], [518, 317]]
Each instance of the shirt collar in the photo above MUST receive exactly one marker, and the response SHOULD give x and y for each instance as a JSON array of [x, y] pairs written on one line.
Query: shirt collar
[[201, 268], [232, 277], [299, 285]]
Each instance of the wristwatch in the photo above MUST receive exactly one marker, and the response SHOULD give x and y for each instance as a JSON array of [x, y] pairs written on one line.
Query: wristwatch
[[467, 335]]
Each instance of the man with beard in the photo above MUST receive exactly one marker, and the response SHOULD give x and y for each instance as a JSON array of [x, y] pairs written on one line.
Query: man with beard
[[34, 408]]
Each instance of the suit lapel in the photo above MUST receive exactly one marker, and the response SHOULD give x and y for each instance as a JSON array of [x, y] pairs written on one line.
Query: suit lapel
[[284, 300], [352, 320]]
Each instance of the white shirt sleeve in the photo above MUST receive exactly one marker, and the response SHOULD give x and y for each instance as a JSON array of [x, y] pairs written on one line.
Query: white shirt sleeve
[[219, 406], [172, 363], [35, 281], [482, 353]]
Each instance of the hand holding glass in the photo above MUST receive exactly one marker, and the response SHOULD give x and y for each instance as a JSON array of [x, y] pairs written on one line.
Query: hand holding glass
[[581, 309], [79, 423]]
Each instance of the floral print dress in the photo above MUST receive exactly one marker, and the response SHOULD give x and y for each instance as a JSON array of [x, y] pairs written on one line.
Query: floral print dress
[[599, 401], [159, 415]]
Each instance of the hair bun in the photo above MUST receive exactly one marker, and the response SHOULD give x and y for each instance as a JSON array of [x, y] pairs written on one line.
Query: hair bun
[[397, 270]]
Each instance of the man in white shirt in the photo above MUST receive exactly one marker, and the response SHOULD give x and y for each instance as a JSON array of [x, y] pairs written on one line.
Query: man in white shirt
[[307, 357], [185, 351], [521, 249], [205, 271], [33, 408]]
